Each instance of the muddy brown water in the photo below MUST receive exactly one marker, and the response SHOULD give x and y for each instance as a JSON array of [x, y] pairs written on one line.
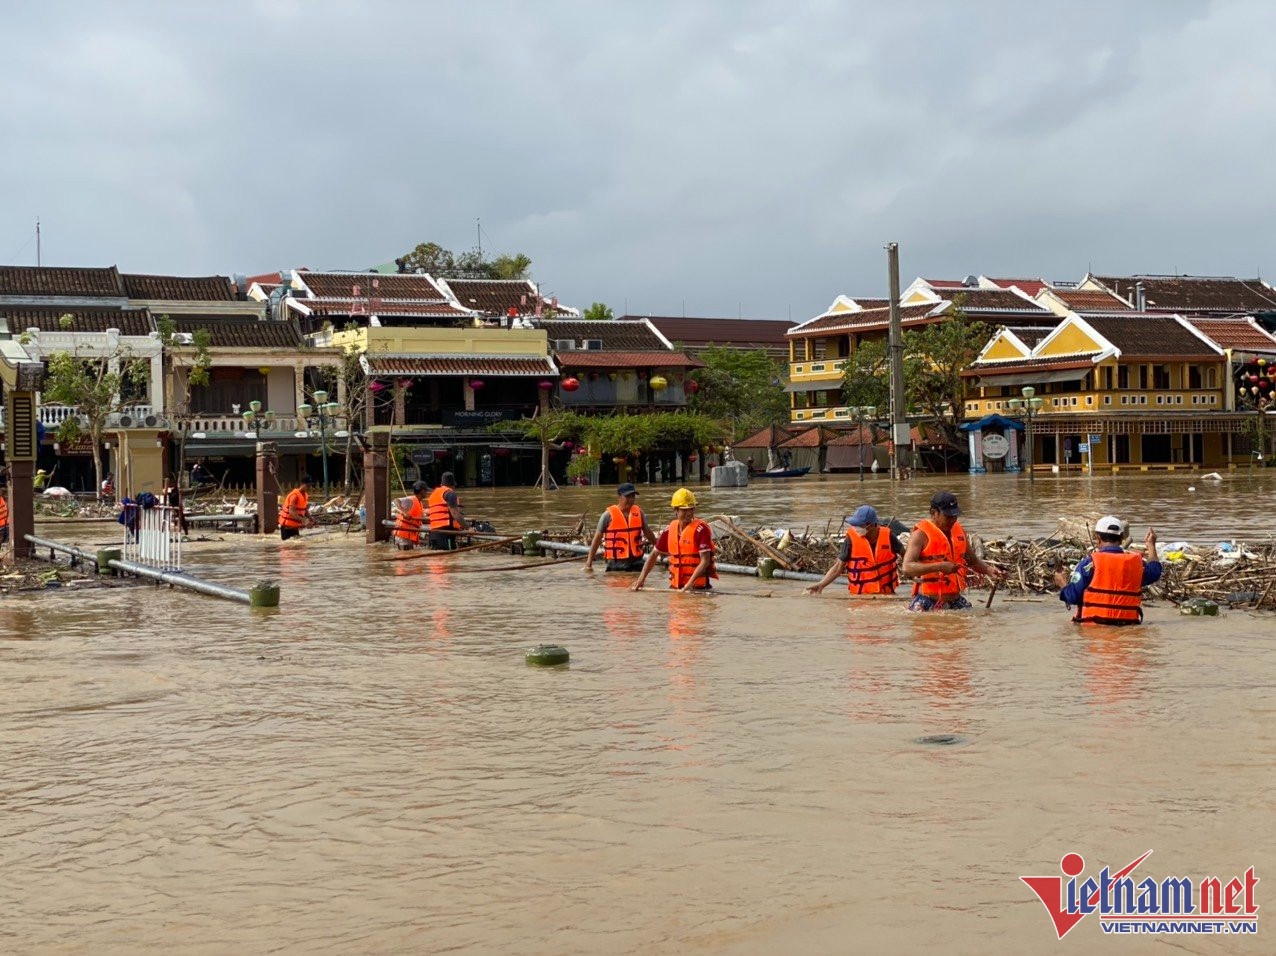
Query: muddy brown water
[[373, 769]]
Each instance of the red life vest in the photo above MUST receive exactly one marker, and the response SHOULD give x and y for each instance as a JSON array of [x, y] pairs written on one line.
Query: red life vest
[[409, 520], [439, 512], [942, 547], [623, 538], [1113, 595], [4, 511], [293, 512], [871, 570], [684, 555]]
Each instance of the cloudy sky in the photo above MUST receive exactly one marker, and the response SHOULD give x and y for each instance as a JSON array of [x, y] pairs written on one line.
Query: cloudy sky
[[712, 158]]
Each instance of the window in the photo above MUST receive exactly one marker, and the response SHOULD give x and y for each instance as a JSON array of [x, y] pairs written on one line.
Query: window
[[1193, 376], [1143, 376], [1106, 378], [1123, 376], [1211, 378], [1160, 376]]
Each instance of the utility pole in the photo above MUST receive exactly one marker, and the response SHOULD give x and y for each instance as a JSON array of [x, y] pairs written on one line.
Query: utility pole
[[899, 421], [38, 259], [478, 231]]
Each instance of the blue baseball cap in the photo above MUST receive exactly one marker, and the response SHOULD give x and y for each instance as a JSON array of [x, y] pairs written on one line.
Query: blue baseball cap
[[864, 515]]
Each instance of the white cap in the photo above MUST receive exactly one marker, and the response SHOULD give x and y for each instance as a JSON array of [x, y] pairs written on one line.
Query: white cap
[[1111, 524]]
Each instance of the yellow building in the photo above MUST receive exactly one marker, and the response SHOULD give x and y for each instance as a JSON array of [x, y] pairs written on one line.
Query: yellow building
[[1114, 390]]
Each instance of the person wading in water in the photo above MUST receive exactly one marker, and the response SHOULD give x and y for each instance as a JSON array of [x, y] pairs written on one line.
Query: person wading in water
[[621, 531], [940, 555], [689, 544], [1106, 586]]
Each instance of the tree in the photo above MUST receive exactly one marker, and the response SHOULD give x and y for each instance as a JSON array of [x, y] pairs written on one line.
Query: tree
[[866, 376], [598, 311], [350, 379], [94, 390], [745, 389], [432, 258], [195, 356], [548, 428]]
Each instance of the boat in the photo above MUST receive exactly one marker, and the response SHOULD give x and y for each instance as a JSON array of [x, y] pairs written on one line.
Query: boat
[[781, 473]]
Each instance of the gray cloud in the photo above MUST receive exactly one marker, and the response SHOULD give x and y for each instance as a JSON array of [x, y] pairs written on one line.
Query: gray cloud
[[749, 156]]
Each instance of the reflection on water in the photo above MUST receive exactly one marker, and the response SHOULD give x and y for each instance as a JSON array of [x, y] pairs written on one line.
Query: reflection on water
[[373, 768]]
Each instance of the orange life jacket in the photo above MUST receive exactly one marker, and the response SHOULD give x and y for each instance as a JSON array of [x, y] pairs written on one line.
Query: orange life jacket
[[871, 570], [409, 520], [1113, 595], [684, 557], [942, 547], [439, 512], [4, 511], [293, 512], [623, 538]]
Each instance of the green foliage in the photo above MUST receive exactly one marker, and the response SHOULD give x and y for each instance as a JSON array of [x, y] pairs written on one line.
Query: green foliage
[[745, 389], [621, 434], [444, 263], [66, 321], [866, 376], [598, 311]]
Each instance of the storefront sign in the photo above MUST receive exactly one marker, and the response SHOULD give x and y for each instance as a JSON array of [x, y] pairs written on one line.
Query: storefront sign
[[996, 446], [479, 417]]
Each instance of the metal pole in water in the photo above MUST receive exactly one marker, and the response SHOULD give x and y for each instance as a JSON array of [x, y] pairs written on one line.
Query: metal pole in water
[[899, 418]]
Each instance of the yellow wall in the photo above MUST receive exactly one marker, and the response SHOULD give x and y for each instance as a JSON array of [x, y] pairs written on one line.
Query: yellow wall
[[1070, 340], [1003, 348]]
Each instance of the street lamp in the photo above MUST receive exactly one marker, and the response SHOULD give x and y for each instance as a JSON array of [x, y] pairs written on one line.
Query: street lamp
[[1028, 406], [863, 414], [324, 410], [254, 416]]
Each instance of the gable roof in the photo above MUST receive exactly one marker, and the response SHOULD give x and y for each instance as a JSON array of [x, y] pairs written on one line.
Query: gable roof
[[497, 296], [700, 332], [129, 321], [620, 335], [871, 320], [242, 331], [1090, 300], [1029, 287], [54, 280], [179, 288], [349, 286], [977, 302], [1239, 334], [1194, 293], [1138, 333]]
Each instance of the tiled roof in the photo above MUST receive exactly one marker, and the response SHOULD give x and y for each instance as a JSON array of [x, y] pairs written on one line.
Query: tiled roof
[[1032, 364], [946, 283], [1138, 333], [382, 307], [1093, 301], [704, 331], [630, 335], [128, 321], [495, 365], [860, 435], [996, 300], [1240, 334], [811, 438], [871, 319], [1029, 335], [242, 332], [180, 288], [598, 359], [1027, 286], [49, 280], [1195, 293], [341, 285], [771, 435], [495, 296]]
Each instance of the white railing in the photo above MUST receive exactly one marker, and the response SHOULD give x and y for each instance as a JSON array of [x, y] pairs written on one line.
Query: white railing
[[235, 423], [51, 416], [156, 538]]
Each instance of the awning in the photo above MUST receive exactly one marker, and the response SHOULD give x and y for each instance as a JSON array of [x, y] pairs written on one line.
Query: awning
[[1034, 378], [835, 385], [236, 447], [494, 365]]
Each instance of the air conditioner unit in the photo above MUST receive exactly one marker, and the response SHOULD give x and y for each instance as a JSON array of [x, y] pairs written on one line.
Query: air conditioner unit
[[116, 420], [151, 421], [594, 345], [183, 338], [564, 345]]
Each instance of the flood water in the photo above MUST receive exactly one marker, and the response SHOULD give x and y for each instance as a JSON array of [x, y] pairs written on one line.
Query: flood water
[[373, 768]]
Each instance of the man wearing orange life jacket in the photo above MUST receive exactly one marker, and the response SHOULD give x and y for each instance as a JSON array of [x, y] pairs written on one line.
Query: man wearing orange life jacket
[[1106, 586], [293, 514], [443, 510], [939, 556], [868, 555], [688, 542], [621, 530], [410, 517]]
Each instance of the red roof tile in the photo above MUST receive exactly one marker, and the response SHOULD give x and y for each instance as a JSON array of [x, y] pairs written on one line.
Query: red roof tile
[[179, 288], [871, 319], [128, 321], [495, 296], [1240, 334], [973, 301], [811, 438], [1090, 301], [1027, 286], [629, 335], [771, 435], [1137, 333], [494, 365], [700, 332], [861, 435], [50, 280], [342, 285], [599, 359], [1035, 364], [946, 283]]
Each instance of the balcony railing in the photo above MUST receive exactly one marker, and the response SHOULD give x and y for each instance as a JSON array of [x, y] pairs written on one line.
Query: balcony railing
[[284, 424], [51, 416]]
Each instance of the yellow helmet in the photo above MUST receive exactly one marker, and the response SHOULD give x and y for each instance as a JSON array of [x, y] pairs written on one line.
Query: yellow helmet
[[683, 498]]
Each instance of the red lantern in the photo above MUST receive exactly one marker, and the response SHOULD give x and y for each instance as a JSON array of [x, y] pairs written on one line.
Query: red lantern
[[513, 312], [619, 460], [692, 386], [1254, 379], [545, 385], [570, 384], [501, 452], [1264, 383], [441, 453], [404, 382], [476, 383], [568, 445], [376, 385]]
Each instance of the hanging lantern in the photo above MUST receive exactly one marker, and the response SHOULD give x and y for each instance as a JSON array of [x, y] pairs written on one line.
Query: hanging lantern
[[611, 376], [545, 385], [477, 383], [403, 382], [693, 458], [1253, 378], [513, 313], [1254, 389], [568, 445], [658, 383], [376, 385], [265, 370], [619, 460], [571, 384], [692, 386]]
